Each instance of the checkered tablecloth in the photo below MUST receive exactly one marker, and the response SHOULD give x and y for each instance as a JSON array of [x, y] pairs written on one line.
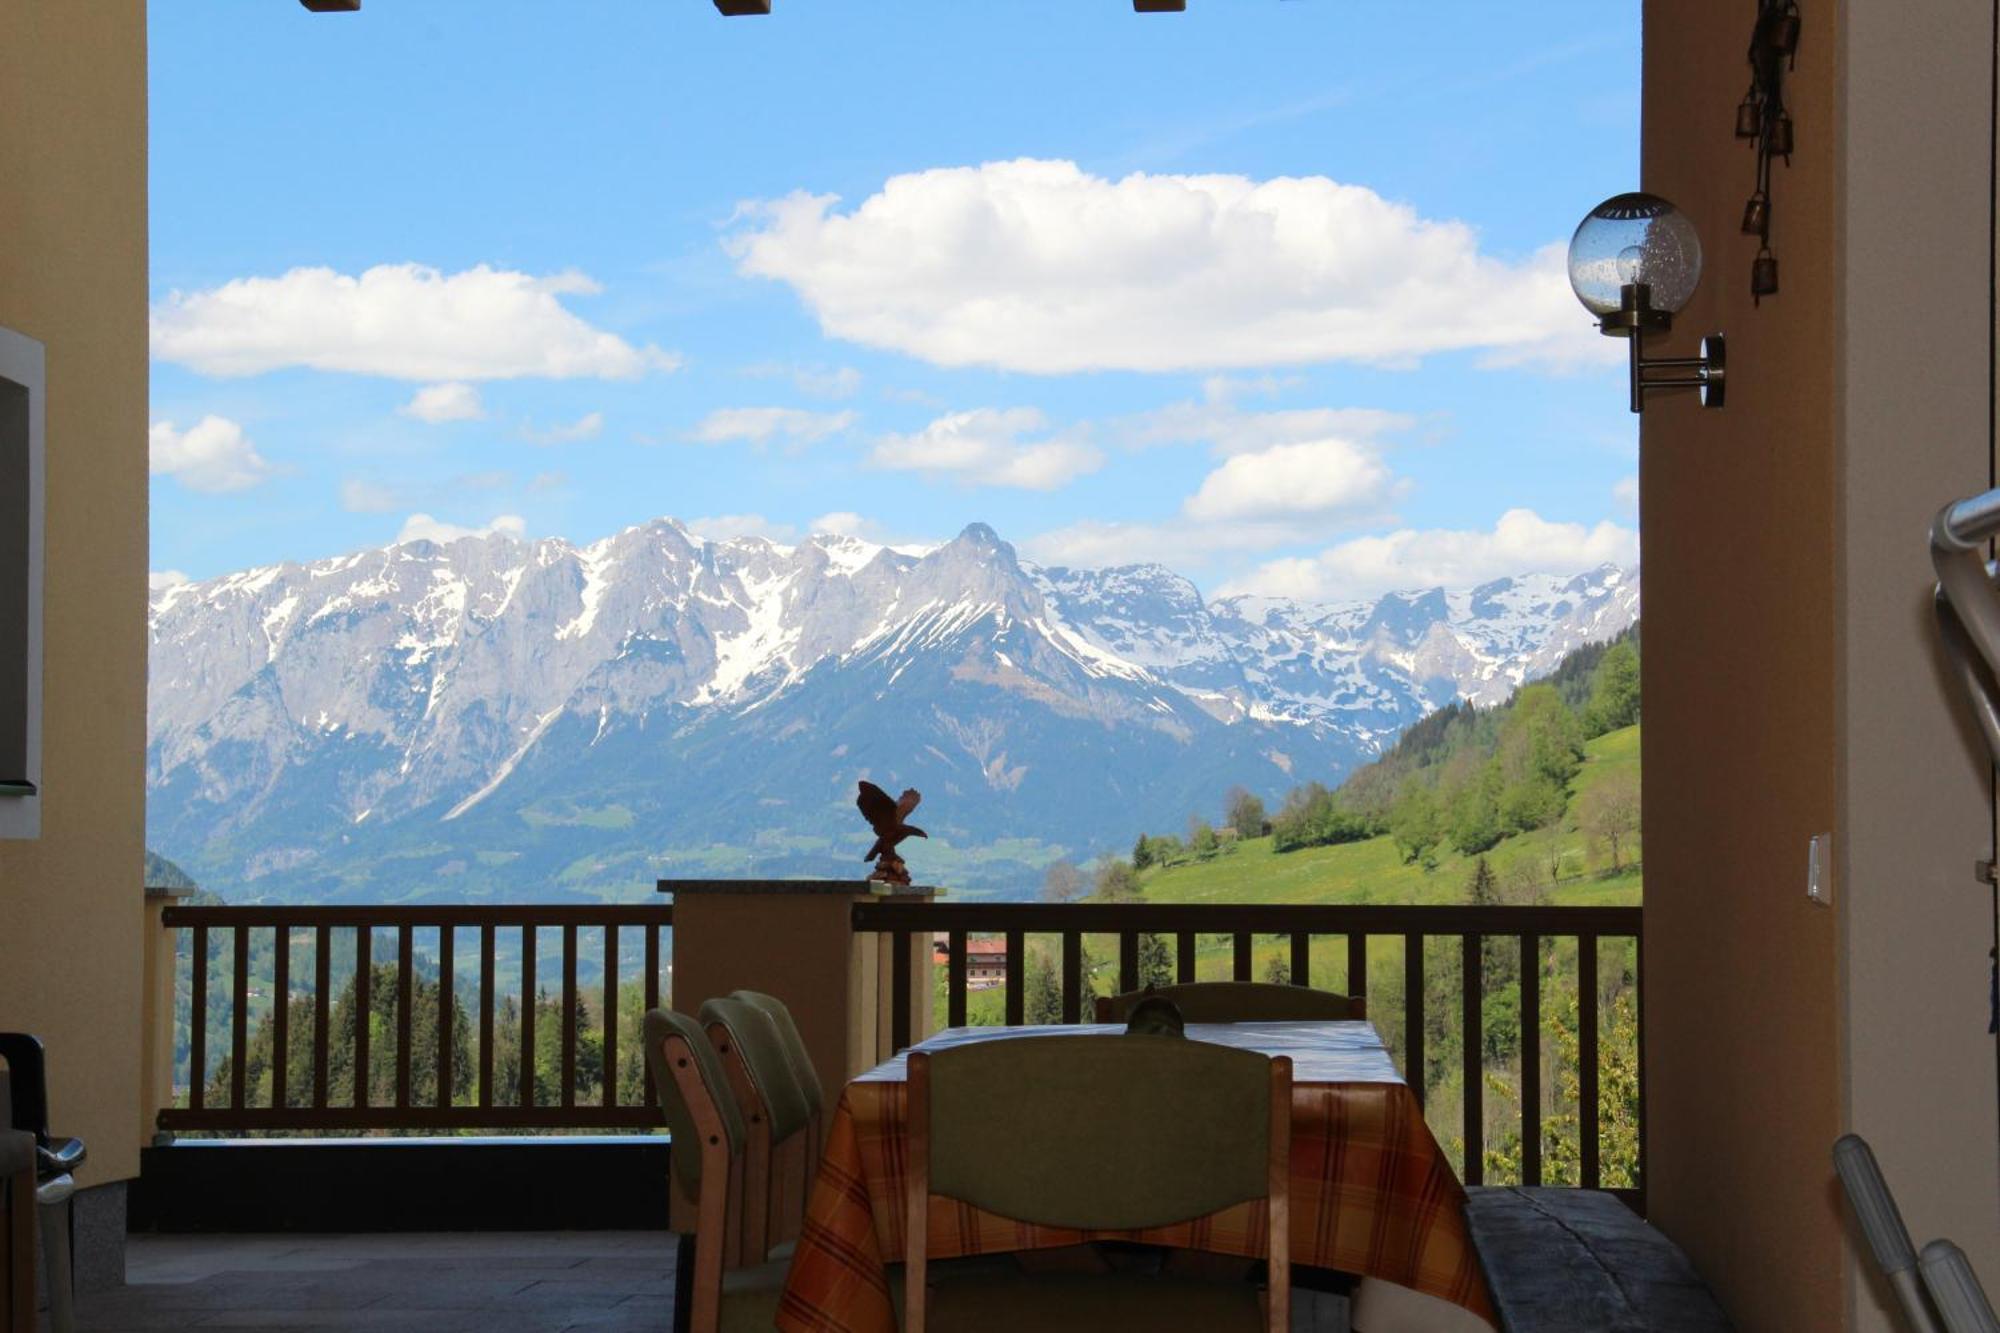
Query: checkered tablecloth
[[1371, 1192]]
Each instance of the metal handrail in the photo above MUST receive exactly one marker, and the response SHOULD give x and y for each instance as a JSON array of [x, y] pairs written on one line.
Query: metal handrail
[[1967, 603]]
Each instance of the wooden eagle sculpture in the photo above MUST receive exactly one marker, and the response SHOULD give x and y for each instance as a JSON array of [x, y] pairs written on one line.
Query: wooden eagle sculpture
[[886, 815]]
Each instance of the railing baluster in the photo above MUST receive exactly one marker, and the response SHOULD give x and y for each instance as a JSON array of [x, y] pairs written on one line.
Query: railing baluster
[[1357, 964], [1242, 970], [1072, 976], [1184, 957], [610, 1063], [447, 1000], [239, 1017], [1128, 960], [1413, 1013], [1531, 1059], [322, 1007], [651, 983], [198, 1022], [569, 1016], [899, 991], [1472, 1041], [364, 978], [1302, 956], [1587, 1058], [954, 980], [527, 1072], [281, 1015], [406, 955], [1639, 1036], [485, 1016], [1017, 979]]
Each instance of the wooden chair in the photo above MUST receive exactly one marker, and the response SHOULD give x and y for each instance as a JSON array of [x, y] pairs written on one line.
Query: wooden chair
[[775, 1114], [1097, 1133], [1239, 1002], [708, 1142], [802, 1070], [17, 1179]]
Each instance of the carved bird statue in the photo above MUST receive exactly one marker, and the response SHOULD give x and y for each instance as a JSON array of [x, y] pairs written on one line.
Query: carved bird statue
[[886, 816]]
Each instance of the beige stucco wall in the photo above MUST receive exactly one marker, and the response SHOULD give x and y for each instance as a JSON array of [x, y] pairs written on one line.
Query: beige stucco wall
[[1918, 1077], [1739, 510], [73, 275], [1791, 684]]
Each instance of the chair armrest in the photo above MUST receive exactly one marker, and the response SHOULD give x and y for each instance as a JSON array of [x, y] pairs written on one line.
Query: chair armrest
[[17, 1152], [27, 1066]]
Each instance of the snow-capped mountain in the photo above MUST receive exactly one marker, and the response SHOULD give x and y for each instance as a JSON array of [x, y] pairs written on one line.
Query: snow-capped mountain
[[495, 717]]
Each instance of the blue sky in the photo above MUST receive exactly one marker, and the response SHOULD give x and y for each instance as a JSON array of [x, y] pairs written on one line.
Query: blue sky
[[1263, 290]]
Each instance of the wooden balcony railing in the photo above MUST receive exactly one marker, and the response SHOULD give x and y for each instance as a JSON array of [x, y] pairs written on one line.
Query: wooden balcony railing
[[220, 1096], [1543, 1003], [1559, 945]]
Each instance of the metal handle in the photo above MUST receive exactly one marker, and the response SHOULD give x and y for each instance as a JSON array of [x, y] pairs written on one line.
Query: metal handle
[[1882, 1223], [1955, 1290], [1968, 605]]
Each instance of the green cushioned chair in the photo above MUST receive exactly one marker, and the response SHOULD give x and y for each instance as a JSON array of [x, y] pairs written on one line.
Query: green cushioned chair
[[1239, 1002], [795, 1046], [802, 1070], [774, 1110], [709, 1134], [1097, 1133]]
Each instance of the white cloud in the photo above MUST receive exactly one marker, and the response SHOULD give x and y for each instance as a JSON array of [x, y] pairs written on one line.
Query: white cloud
[[1227, 429], [1626, 493], [819, 381], [761, 425], [422, 527], [213, 455], [1521, 542], [369, 497], [984, 447], [401, 321], [586, 427], [1042, 267], [841, 382], [723, 527], [1178, 543], [847, 523], [453, 401], [1316, 477], [160, 579]]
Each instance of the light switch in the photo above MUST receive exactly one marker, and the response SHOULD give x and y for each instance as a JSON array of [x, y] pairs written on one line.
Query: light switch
[[1819, 869]]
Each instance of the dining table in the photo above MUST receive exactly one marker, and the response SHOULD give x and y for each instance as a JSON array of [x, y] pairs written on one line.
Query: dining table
[[1371, 1192]]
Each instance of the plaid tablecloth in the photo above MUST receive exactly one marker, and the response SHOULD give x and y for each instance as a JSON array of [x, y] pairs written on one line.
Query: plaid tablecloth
[[1371, 1192]]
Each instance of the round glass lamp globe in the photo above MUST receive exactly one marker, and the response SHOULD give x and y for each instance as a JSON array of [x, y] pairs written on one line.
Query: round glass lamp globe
[[1633, 238]]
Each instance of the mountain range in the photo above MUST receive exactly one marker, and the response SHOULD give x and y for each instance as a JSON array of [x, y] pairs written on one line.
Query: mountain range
[[506, 720]]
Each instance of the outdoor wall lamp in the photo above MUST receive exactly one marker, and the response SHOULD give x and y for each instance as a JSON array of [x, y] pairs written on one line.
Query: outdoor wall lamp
[[1634, 262]]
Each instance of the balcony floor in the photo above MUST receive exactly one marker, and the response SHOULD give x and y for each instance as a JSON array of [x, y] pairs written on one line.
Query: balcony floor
[[493, 1282]]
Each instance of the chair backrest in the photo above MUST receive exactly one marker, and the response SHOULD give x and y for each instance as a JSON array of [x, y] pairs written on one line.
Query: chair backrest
[[750, 1031], [1097, 1132], [1239, 1002], [795, 1046], [689, 1102]]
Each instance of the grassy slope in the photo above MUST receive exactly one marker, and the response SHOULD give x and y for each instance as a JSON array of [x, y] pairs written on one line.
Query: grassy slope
[[1374, 872], [1367, 872]]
